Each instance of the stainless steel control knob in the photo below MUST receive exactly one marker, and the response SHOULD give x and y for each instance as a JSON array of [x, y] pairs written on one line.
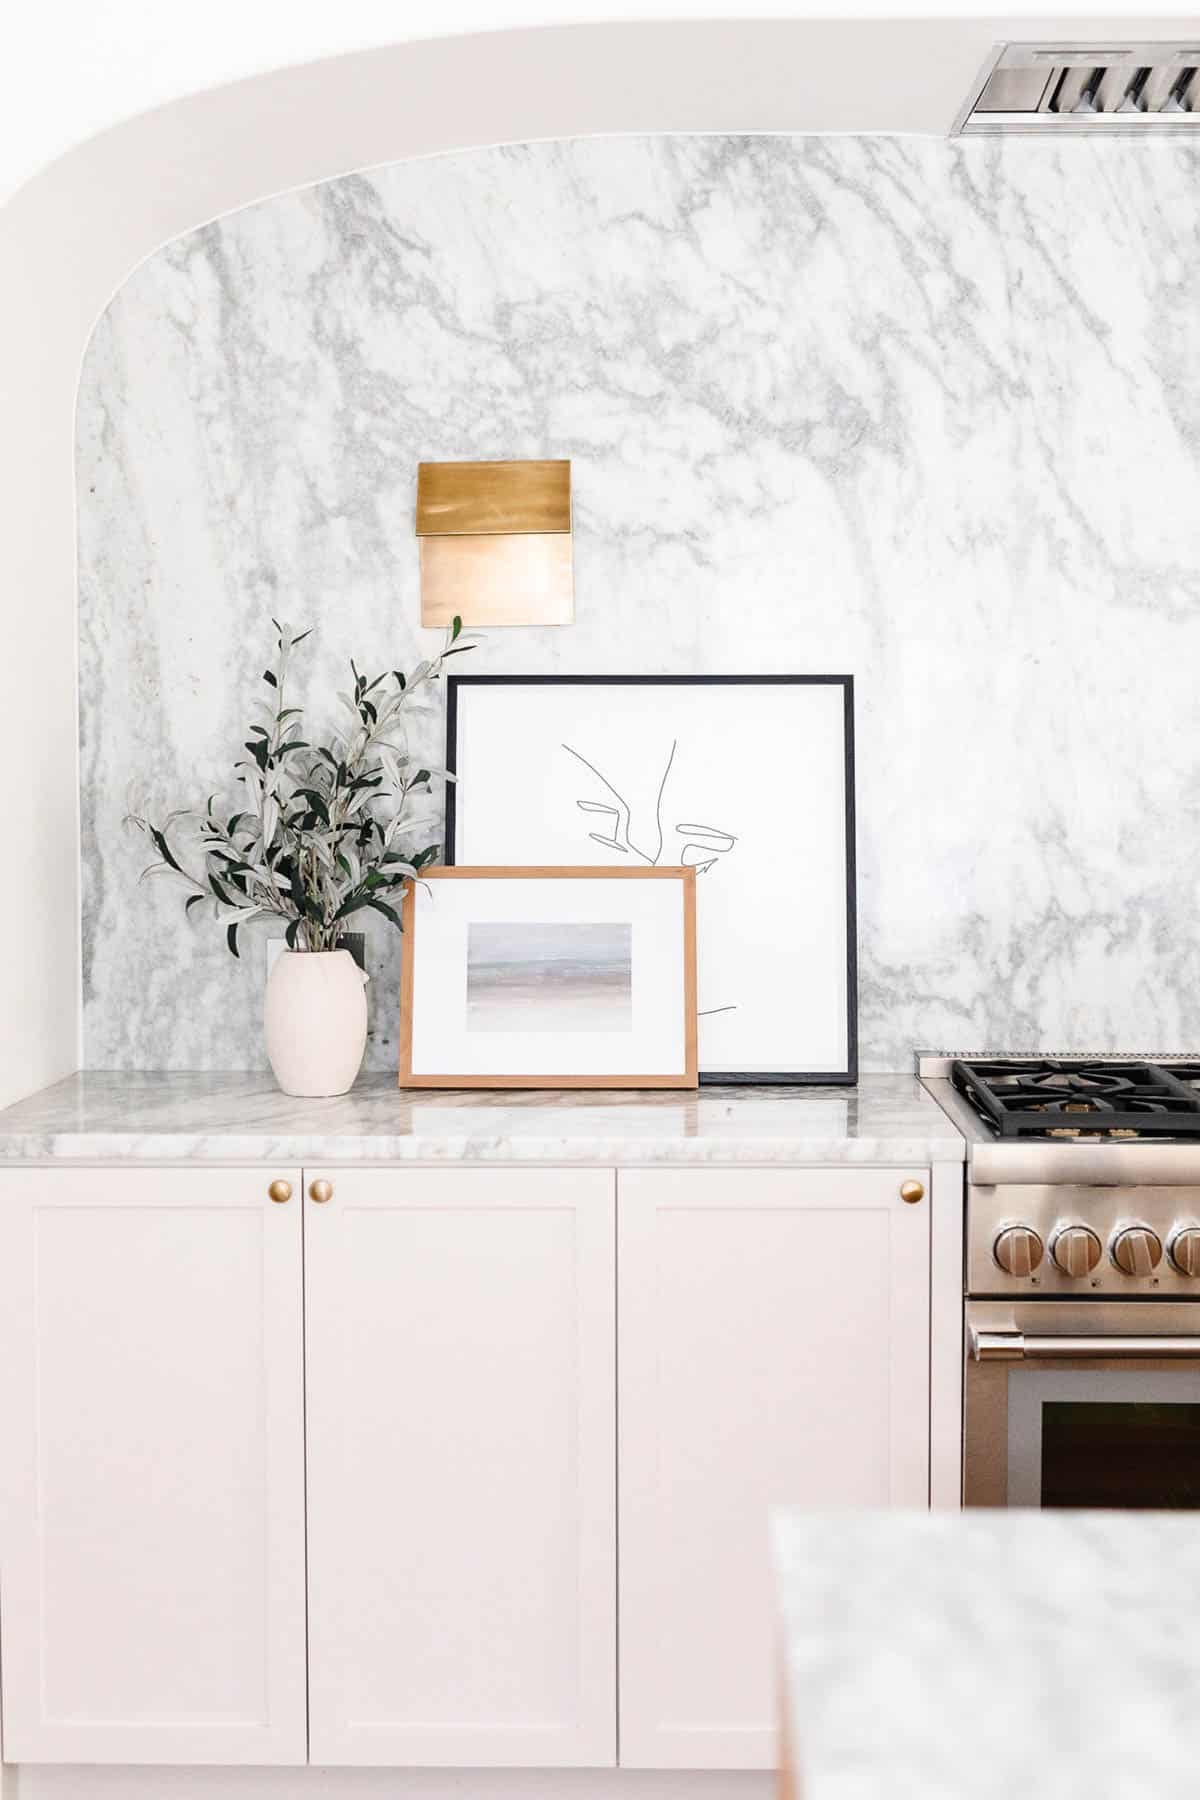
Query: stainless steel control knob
[[1076, 1251], [1184, 1250], [1018, 1250], [1137, 1250]]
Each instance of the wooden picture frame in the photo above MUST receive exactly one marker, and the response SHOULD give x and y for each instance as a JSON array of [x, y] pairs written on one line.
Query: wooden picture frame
[[639, 998]]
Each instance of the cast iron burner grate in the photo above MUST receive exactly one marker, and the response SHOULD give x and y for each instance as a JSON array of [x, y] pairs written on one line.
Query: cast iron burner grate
[[1052, 1097]]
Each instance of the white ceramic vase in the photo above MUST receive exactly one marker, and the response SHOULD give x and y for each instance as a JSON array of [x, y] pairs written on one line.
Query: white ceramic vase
[[316, 1021]]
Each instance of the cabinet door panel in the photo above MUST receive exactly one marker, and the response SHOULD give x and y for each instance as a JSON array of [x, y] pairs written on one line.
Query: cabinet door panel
[[461, 1467], [151, 1374], [774, 1350]]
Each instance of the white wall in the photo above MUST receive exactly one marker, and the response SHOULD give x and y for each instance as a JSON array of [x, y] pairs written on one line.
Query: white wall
[[71, 68], [71, 235]]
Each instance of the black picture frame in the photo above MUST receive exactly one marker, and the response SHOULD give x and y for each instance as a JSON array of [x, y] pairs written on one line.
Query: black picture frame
[[847, 1077]]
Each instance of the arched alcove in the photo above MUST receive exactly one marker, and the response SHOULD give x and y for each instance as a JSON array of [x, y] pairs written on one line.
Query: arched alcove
[[71, 238]]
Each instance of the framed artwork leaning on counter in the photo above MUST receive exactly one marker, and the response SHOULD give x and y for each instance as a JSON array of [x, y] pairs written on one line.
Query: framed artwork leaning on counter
[[549, 977], [747, 779]]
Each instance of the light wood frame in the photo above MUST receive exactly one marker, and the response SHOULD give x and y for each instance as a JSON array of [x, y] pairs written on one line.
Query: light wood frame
[[687, 1077]]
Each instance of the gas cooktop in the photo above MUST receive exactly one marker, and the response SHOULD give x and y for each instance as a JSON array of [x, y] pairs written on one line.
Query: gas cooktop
[[1047, 1097]]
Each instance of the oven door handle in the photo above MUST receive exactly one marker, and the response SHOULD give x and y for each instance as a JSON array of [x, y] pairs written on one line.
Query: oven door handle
[[1015, 1346]]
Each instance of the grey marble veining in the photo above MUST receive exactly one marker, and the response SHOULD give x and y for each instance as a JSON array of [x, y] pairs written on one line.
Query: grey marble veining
[[100, 1116], [992, 1655], [919, 410]]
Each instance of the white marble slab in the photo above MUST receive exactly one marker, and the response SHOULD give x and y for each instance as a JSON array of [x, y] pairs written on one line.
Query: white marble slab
[[923, 411], [992, 1655], [243, 1117]]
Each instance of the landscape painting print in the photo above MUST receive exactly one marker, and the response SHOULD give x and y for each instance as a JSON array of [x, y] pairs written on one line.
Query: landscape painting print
[[542, 977], [746, 780], [549, 976]]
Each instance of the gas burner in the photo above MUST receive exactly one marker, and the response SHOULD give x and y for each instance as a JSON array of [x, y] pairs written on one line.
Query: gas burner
[[1049, 1097]]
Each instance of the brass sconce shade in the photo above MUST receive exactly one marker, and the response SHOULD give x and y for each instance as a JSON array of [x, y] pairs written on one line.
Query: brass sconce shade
[[495, 543]]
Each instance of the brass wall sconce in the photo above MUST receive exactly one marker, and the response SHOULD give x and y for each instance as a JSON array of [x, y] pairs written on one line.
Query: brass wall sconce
[[495, 543]]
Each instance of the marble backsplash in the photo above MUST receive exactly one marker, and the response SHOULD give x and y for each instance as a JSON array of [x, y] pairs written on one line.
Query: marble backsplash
[[927, 412]]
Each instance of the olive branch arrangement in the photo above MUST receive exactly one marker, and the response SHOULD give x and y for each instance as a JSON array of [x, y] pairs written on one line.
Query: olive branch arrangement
[[318, 837]]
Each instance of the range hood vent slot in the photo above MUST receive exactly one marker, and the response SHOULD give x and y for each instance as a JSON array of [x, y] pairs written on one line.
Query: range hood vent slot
[[1081, 87]]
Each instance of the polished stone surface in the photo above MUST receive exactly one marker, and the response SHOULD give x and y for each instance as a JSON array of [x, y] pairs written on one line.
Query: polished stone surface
[[921, 410], [243, 1117], [991, 1655]]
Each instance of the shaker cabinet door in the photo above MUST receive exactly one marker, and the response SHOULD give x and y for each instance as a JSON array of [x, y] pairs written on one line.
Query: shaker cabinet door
[[152, 1422], [774, 1350], [462, 1551]]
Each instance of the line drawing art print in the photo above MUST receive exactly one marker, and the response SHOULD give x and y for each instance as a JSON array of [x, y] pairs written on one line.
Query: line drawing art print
[[702, 846], [746, 781]]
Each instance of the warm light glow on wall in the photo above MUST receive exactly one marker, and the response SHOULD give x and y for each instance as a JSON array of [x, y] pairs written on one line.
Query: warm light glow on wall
[[495, 543]]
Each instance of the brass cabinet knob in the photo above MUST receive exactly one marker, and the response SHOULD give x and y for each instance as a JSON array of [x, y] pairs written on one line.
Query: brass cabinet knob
[[320, 1191], [912, 1191], [280, 1191]]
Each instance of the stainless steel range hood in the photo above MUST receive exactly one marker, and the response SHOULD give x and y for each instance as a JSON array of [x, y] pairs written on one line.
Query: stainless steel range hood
[[1082, 87]]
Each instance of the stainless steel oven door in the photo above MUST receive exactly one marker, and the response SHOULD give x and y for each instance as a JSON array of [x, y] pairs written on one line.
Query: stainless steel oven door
[[1084, 1405]]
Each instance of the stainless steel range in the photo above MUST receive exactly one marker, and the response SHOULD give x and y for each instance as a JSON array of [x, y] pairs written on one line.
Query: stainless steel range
[[1082, 1277]]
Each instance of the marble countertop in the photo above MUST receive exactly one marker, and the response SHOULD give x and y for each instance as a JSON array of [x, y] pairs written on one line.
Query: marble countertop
[[991, 1655], [886, 1119]]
